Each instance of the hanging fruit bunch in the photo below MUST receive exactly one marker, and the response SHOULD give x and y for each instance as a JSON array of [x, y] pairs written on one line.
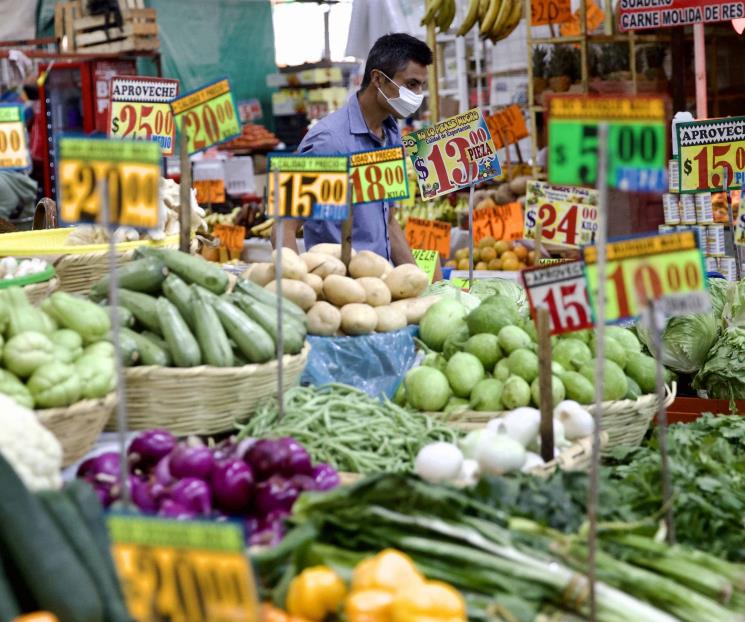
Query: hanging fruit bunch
[[496, 19], [441, 13]]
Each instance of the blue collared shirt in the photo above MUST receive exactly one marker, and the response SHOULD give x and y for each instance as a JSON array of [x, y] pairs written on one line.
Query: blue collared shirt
[[345, 132]]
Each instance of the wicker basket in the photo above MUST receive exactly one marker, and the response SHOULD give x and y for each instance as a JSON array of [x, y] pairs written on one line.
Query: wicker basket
[[37, 292], [78, 427], [625, 421], [202, 400]]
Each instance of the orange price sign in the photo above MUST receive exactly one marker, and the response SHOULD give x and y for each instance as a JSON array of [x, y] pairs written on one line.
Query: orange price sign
[[431, 235], [544, 12], [507, 126], [140, 108], [595, 17], [231, 236], [210, 190], [501, 222]]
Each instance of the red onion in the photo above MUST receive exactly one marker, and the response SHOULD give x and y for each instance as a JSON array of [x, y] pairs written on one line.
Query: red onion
[[104, 493], [171, 509], [104, 467], [142, 494], [191, 460], [193, 494], [275, 494], [162, 471], [325, 476], [232, 485], [149, 447], [268, 531], [297, 460], [303, 482], [266, 457]]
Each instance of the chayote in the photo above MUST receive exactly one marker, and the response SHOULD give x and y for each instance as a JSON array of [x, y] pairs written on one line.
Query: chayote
[[97, 375], [54, 385], [24, 353], [68, 345], [15, 389]]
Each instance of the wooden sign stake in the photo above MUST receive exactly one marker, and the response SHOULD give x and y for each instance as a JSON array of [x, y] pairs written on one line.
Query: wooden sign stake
[[346, 229], [545, 388], [280, 224], [470, 237], [185, 195], [730, 217]]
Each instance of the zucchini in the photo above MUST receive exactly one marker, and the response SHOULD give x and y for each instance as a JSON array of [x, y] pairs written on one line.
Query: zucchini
[[9, 607], [268, 298], [210, 334], [195, 270], [128, 348], [143, 275], [184, 348], [158, 341], [46, 563], [123, 315], [180, 295], [150, 353], [252, 340], [142, 307], [293, 333], [67, 518]]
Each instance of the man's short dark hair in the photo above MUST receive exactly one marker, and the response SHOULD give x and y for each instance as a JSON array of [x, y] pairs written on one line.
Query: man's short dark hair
[[391, 53]]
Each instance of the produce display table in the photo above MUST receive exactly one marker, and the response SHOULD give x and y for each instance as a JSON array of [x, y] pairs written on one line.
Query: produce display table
[[687, 409]]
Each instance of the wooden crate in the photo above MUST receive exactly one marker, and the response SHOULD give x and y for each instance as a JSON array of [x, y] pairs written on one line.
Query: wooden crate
[[139, 31]]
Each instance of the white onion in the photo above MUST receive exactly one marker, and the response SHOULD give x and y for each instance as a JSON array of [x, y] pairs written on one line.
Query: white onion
[[500, 455], [577, 422], [438, 462]]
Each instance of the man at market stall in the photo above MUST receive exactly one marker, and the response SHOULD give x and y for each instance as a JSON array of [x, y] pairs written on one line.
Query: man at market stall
[[395, 76]]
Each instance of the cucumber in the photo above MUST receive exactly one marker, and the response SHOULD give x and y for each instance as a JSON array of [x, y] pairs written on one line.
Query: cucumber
[[67, 518], [123, 315], [46, 563], [195, 270], [268, 298], [293, 333], [209, 331], [180, 295], [9, 607], [142, 307], [252, 340], [150, 354], [143, 275], [184, 348], [128, 348]]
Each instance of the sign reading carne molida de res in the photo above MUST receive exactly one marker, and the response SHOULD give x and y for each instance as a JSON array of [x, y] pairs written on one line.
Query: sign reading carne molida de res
[[644, 14]]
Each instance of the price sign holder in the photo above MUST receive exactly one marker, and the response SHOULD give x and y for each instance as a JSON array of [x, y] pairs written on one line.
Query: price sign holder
[[207, 116], [569, 215], [183, 570], [139, 107], [432, 235], [14, 152], [636, 139], [378, 175], [426, 260]]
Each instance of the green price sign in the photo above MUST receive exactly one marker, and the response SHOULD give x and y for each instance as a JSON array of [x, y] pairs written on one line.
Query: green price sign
[[378, 175], [636, 141]]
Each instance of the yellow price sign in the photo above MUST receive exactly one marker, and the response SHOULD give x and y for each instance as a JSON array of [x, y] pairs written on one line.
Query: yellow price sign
[[184, 571], [645, 269], [310, 187], [207, 116], [378, 175], [130, 171], [140, 108], [568, 215], [710, 154], [14, 152], [426, 261]]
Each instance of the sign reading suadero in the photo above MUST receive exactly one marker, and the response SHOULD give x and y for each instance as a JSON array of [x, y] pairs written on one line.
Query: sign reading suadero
[[454, 154], [569, 214], [378, 175], [644, 14]]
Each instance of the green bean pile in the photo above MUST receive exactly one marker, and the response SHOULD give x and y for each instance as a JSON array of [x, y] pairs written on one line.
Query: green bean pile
[[349, 429]]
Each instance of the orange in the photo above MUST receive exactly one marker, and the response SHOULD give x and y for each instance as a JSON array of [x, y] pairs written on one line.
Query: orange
[[488, 253], [481, 266], [511, 264], [451, 263], [463, 264], [476, 255], [509, 256], [522, 265], [461, 253], [501, 247], [487, 241], [531, 258], [521, 251], [495, 264]]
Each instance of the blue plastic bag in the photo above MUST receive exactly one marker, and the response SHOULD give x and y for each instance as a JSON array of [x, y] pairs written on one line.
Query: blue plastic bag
[[374, 363]]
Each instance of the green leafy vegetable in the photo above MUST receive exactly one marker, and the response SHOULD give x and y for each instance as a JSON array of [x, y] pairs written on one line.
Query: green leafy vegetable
[[686, 341], [723, 374]]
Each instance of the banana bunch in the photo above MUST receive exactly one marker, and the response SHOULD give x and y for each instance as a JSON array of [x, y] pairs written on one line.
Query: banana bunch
[[216, 218], [441, 13], [497, 18], [263, 230]]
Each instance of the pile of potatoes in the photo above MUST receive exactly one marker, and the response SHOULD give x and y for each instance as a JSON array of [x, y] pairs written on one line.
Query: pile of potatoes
[[373, 297]]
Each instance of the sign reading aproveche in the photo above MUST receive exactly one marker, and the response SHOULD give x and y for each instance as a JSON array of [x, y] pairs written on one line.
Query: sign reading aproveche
[[644, 14], [129, 169], [378, 175], [709, 150], [569, 214], [310, 187], [140, 108], [454, 154], [636, 141], [14, 153]]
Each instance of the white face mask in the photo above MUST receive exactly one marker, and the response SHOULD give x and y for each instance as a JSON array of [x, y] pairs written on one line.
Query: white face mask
[[407, 102]]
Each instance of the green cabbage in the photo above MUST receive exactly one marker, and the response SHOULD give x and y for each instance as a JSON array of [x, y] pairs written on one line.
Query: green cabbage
[[723, 375], [504, 288], [686, 341], [448, 289], [441, 320], [492, 315]]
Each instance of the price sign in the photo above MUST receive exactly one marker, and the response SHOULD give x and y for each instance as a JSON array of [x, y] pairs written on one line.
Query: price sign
[[207, 116], [569, 215], [210, 190], [14, 153], [426, 260], [312, 187], [643, 15], [507, 126], [544, 12], [636, 141], [140, 108], [129, 169], [231, 237], [453, 154], [183, 570], [502, 222], [710, 150], [644, 269], [562, 290], [595, 17], [378, 175], [433, 235]]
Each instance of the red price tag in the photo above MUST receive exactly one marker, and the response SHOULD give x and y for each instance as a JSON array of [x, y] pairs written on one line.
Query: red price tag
[[210, 190], [502, 222], [544, 12], [562, 290], [431, 235], [231, 236], [595, 16]]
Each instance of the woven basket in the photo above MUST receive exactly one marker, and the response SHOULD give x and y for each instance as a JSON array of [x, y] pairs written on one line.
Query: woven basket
[[78, 427], [202, 400], [37, 292], [625, 421]]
